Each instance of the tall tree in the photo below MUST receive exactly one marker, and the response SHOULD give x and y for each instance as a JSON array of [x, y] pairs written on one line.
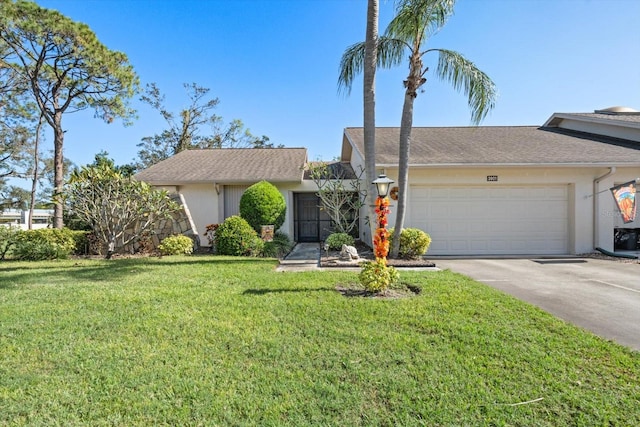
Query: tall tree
[[408, 33], [195, 127], [67, 70], [367, 52]]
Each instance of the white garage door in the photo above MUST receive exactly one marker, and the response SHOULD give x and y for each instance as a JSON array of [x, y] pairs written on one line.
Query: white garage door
[[509, 220]]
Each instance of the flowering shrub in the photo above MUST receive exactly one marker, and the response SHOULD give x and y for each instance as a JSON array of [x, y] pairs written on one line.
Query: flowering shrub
[[377, 276], [210, 233]]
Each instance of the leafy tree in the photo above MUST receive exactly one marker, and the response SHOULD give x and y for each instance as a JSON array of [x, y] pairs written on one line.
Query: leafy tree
[[67, 70], [118, 208], [195, 127], [408, 32], [102, 159], [15, 136]]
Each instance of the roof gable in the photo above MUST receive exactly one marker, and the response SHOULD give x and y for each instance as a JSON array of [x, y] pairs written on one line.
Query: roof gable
[[228, 165]]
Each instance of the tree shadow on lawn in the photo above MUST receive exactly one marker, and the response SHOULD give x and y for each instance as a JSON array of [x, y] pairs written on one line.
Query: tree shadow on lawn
[[285, 290]]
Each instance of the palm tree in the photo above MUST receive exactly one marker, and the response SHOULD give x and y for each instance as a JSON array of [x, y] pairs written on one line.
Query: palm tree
[[368, 67], [408, 32]]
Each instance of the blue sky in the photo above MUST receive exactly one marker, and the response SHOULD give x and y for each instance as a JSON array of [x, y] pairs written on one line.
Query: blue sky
[[274, 64]]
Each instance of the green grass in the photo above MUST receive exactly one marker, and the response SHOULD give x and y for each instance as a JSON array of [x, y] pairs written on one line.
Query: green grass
[[228, 341]]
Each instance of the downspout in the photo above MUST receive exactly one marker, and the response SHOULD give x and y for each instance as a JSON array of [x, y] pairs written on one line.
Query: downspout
[[596, 181]]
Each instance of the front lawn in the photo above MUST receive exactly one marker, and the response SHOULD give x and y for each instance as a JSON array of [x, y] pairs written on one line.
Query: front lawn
[[228, 341]]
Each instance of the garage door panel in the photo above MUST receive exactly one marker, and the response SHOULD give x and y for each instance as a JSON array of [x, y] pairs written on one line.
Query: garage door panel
[[492, 220]]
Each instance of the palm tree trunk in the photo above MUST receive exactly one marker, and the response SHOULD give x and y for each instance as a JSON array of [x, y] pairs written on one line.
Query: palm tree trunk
[[403, 168], [369, 71]]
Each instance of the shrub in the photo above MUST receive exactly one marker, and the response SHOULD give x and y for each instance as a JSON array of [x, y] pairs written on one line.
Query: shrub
[[80, 241], [236, 237], [8, 237], [45, 243], [377, 276], [176, 245], [413, 243], [262, 204], [279, 247], [336, 240]]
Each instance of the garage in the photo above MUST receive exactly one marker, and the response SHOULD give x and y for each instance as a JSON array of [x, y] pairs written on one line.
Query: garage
[[492, 220]]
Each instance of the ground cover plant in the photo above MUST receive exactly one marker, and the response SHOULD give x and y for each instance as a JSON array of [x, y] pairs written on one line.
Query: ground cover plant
[[205, 340]]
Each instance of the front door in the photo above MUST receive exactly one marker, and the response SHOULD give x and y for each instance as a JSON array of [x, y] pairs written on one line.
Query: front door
[[311, 223]]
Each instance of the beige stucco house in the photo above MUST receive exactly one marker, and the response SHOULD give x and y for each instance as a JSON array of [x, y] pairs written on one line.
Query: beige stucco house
[[511, 190]]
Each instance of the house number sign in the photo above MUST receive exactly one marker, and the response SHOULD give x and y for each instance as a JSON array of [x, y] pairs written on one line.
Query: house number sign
[[492, 178]]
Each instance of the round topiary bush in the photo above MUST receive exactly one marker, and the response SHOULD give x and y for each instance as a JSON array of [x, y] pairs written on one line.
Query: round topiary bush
[[176, 245], [413, 243], [236, 237], [336, 240], [262, 204]]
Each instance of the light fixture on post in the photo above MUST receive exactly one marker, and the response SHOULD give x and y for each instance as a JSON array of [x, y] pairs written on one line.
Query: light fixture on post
[[381, 238], [382, 184]]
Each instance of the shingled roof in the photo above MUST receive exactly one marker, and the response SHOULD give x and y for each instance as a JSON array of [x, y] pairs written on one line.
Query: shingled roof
[[500, 145], [228, 165]]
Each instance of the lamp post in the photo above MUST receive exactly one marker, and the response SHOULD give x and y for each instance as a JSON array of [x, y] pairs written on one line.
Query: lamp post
[[381, 237]]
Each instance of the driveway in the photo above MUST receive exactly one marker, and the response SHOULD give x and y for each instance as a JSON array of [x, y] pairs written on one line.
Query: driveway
[[602, 296]]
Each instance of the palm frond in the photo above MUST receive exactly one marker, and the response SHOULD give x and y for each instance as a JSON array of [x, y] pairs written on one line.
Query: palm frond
[[351, 64], [417, 20], [466, 77], [390, 53]]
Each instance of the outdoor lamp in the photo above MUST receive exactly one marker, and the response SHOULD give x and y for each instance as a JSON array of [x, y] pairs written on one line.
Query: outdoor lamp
[[382, 184]]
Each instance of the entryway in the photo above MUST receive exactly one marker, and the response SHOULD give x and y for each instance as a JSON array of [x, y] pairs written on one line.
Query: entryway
[[311, 223]]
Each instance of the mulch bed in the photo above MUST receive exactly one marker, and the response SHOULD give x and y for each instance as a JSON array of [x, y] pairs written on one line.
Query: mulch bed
[[332, 259]]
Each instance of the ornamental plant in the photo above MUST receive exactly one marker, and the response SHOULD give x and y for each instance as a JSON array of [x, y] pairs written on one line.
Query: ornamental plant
[[263, 204], [377, 276], [336, 240], [176, 245], [236, 237], [413, 242]]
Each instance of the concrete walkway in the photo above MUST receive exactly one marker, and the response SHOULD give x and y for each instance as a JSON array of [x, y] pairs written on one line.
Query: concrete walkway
[[303, 257]]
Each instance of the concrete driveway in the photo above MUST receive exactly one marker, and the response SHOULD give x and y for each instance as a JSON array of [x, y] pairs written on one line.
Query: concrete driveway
[[602, 296]]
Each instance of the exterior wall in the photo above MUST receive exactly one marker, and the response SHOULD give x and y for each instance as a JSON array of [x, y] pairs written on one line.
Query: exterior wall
[[581, 197], [202, 202], [206, 205]]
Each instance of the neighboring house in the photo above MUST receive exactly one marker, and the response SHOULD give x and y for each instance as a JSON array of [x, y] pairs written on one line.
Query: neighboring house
[[512, 190], [42, 218]]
